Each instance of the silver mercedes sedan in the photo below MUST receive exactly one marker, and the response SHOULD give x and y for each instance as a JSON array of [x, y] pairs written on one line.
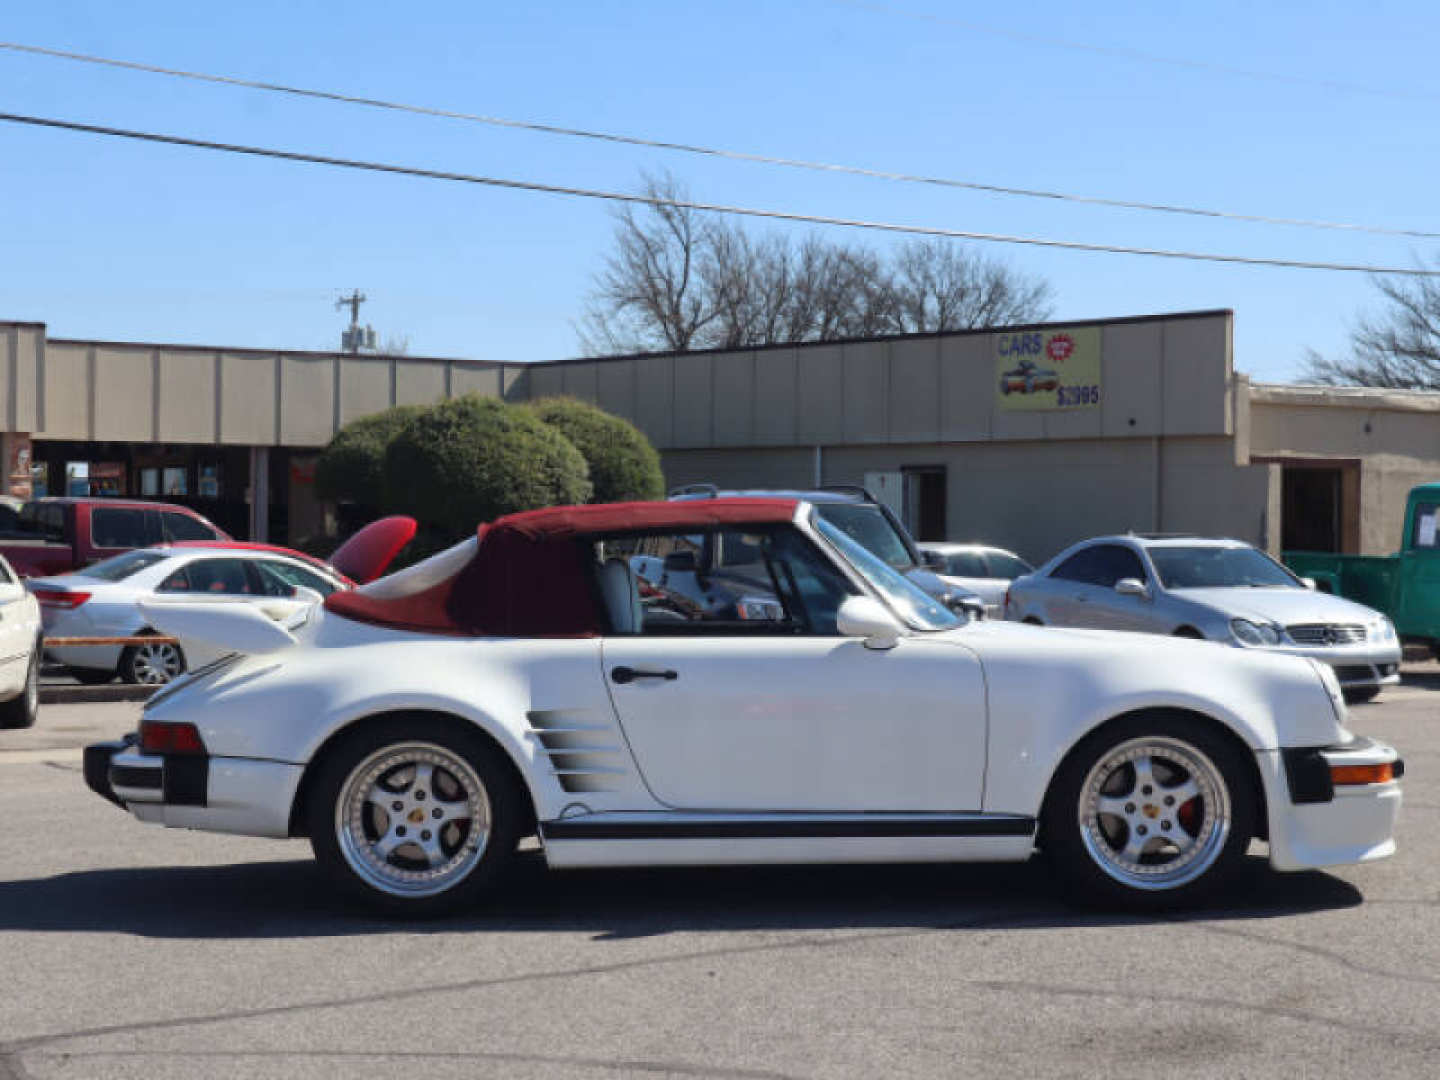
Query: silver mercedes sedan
[[1221, 590]]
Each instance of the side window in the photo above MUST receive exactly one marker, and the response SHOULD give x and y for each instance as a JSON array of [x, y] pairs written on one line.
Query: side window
[[179, 581], [225, 577], [1424, 528], [1081, 567], [769, 581], [116, 527], [966, 564], [1103, 565], [185, 527], [278, 578]]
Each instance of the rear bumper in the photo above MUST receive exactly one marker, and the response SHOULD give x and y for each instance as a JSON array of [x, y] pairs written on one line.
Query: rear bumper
[[1314, 823], [232, 795]]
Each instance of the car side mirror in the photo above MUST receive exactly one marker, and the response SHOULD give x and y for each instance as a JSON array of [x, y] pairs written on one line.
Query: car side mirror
[[865, 617], [1129, 586], [933, 560], [1309, 583]]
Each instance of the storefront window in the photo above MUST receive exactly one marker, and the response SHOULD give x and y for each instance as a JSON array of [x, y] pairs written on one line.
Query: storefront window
[[150, 482], [209, 485], [176, 481]]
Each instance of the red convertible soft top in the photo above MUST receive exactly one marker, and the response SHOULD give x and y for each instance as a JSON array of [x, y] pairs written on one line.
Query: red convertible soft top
[[530, 576]]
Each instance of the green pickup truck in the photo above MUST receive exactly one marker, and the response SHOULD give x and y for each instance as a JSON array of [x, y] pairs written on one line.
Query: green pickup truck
[[1405, 586]]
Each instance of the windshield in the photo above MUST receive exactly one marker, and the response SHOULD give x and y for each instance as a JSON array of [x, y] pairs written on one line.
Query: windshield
[[1219, 568], [867, 525], [914, 605], [122, 566], [1007, 566]]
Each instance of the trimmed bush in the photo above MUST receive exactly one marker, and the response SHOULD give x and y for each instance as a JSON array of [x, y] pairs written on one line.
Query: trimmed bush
[[351, 467], [472, 459], [623, 464]]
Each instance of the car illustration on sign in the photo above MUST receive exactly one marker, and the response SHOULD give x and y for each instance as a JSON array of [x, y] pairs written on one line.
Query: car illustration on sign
[[415, 729], [1027, 378]]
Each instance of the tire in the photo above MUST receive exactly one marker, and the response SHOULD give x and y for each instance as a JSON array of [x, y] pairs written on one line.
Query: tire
[[91, 676], [348, 825], [22, 710], [1189, 632], [1097, 808], [151, 665], [1359, 695], [1030, 620]]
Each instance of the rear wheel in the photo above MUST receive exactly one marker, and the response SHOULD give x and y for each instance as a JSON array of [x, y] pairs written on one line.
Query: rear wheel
[[21, 710], [415, 816], [1153, 812], [151, 665]]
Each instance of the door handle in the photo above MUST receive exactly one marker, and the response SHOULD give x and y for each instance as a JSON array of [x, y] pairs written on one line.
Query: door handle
[[625, 674]]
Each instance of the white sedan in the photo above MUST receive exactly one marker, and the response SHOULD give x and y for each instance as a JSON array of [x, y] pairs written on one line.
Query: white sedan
[[103, 600], [417, 728], [978, 568]]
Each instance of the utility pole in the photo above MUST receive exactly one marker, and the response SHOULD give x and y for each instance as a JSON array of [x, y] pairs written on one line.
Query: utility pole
[[356, 337]]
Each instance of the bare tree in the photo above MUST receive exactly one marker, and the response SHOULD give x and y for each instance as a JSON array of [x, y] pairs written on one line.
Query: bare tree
[[680, 280], [649, 294], [939, 286], [1399, 349]]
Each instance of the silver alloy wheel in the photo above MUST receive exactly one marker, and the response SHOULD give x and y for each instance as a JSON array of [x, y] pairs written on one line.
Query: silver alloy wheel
[[153, 665], [413, 819], [1154, 813]]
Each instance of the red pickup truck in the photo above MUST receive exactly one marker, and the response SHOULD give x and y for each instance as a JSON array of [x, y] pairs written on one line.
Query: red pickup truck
[[57, 535]]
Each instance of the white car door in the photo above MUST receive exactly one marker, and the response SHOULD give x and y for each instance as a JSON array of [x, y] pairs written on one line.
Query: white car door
[[789, 716], [753, 723]]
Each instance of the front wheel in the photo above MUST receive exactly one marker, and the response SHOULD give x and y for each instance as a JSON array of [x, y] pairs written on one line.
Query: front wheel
[[1358, 695], [414, 816], [1151, 813]]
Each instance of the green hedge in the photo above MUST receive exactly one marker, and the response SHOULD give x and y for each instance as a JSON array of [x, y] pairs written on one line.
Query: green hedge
[[351, 467], [623, 464], [472, 459]]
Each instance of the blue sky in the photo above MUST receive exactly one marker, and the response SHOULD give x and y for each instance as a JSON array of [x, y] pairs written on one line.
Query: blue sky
[[103, 238]]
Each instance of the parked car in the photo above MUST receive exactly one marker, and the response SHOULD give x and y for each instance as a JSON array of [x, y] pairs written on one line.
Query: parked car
[[985, 571], [1220, 590], [57, 535], [105, 599], [1405, 586], [869, 523], [1027, 378], [417, 728], [20, 650]]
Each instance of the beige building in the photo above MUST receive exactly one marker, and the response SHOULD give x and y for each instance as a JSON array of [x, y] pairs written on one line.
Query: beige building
[[1029, 437]]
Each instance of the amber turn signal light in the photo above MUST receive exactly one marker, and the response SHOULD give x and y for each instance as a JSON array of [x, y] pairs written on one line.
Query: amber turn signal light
[[1362, 774]]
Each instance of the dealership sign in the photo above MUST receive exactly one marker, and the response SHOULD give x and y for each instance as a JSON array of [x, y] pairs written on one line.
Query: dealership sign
[[1048, 369]]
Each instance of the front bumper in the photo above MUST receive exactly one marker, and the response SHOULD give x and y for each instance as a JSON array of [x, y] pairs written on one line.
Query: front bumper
[[232, 795], [1362, 664], [1315, 823]]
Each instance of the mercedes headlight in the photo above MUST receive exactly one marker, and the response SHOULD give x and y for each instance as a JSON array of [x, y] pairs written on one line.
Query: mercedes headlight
[[1382, 630], [1253, 633], [759, 609]]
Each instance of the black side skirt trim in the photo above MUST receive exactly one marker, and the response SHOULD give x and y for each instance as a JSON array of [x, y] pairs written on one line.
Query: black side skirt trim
[[764, 830]]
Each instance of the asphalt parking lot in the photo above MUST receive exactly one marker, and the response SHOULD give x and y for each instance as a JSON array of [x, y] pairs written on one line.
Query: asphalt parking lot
[[132, 951]]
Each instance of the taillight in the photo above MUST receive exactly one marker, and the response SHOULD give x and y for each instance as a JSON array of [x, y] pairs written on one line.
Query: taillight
[[1006, 608], [60, 599], [158, 738]]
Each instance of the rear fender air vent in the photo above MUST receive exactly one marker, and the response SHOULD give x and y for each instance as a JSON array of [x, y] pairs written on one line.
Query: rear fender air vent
[[583, 755]]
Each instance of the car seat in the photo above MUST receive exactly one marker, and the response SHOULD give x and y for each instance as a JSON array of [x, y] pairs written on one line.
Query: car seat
[[621, 595]]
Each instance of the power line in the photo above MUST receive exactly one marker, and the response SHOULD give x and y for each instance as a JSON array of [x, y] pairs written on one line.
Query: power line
[[709, 151], [1138, 55], [709, 208]]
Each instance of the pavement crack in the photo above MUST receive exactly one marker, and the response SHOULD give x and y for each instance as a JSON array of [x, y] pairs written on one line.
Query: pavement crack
[[668, 1068], [34, 1042], [1331, 955]]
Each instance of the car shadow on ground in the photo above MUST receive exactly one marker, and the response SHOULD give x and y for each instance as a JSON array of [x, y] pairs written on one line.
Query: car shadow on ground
[[291, 899]]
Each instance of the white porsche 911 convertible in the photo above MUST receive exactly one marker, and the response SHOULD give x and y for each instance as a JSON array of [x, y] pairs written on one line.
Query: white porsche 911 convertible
[[523, 683]]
